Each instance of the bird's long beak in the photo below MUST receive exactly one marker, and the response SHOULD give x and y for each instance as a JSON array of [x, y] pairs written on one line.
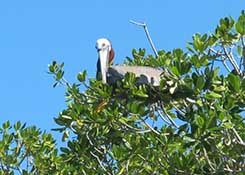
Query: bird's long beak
[[103, 56]]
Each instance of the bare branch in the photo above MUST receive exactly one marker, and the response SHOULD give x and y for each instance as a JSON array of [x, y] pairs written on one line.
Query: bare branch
[[138, 23], [243, 56], [223, 59], [137, 130], [232, 60], [168, 117], [91, 143], [100, 162], [149, 126], [241, 142], [147, 34], [226, 66], [178, 110], [208, 160], [162, 117]]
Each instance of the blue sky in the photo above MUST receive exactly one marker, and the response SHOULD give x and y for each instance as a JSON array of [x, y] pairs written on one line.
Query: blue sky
[[32, 34]]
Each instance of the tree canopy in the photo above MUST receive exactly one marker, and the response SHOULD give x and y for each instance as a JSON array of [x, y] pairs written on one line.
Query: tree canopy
[[193, 123]]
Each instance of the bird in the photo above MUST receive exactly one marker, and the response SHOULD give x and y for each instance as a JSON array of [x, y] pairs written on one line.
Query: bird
[[109, 73]]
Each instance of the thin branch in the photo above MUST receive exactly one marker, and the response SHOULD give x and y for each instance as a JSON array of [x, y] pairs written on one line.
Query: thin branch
[[168, 117], [147, 34], [243, 42], [24, 156], [162, 117], [243, 56], [91, 143], [226, 66], [208, 160], [100, 162], [178, 110], [149, 126], [65, 82], [223, 59], [1, 164], [137, 130], [241, 142], [232, 60], [160, 114]]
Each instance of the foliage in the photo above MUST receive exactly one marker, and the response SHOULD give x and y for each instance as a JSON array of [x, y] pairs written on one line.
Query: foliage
[[193, 123], [27, 150]]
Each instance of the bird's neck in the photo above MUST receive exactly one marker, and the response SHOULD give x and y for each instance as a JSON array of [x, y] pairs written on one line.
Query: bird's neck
[[104, 61]]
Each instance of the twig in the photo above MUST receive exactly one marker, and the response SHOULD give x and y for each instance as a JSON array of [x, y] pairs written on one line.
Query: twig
[[243, 42], [169, 117], [147, 34], [100, 162], [137, 130], [162, 117], [1, 164], [243, 54], [226, 66], [91, 143], [149, 126], [208, 160], [178, 110], [241, 142], [160, 114], [232, 60], [223, 59]]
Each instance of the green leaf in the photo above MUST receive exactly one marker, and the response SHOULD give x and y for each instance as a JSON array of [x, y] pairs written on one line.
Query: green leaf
[[200, 82], [59, 75], [228, 125], [212, 95], [240, 25], [188, 139], [136, 107], [65, 135], [219, 88], [243, 85], [17, 125], [51, 68], [239, 50], [82, 76], [6, 125], [199, 121], [141, 91], [234, 82], [175, 71]]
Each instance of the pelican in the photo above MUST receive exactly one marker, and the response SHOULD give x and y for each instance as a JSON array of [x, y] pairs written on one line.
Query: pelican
[[109, 73]]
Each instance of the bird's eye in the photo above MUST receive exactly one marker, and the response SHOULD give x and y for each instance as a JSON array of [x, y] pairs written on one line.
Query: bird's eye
[[103, 44]]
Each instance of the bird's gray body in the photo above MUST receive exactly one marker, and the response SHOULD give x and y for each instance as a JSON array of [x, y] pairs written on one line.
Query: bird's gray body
[[145, 75]]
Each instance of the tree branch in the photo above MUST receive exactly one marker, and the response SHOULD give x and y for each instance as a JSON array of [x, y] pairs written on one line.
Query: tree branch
[[223, 59], [208, 160], [168, 117], [147, 34], [240, 141], [91, 143], [162, 117], [232, 60], [137, 130], [243, 56], [149, 126], [99, 161]]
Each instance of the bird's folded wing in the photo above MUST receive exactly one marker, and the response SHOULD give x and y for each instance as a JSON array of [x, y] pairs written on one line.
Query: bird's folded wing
[[145, 74]]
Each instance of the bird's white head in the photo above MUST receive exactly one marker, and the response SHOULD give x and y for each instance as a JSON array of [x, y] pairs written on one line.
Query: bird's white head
[[105, 54], [103, 44]]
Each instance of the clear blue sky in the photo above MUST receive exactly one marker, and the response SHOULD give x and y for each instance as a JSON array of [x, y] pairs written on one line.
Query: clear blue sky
[[33, 33]]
